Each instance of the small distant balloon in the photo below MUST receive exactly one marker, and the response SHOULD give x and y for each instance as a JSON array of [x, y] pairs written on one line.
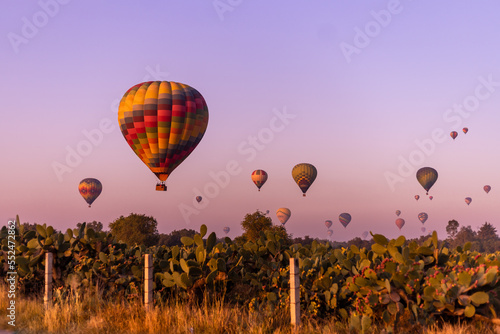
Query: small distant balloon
[[427, 176], [90, 189], [417, 197], [226, 229], [345, 219], [267, 212], [465, 130], [328, 223], [283, 215], [400, 222], [198, 199], [454, 134], [468, 200], [398, 212], [364, 234], [431, 197], [487, 188], [422, 216], [330, 233], [423, 229], [259, 177]]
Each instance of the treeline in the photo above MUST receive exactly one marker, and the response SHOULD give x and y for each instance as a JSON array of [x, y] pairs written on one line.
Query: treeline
[[142, 229]]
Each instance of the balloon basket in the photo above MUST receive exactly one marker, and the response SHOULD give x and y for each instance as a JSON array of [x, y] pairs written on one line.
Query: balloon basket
[[161, 187]]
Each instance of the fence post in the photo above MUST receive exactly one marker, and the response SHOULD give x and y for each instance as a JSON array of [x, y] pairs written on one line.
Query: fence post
[[148, 281], [294, 292], [47, 298]]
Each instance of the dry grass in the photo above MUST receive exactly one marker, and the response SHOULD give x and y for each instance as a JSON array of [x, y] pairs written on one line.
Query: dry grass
[[92, 314]]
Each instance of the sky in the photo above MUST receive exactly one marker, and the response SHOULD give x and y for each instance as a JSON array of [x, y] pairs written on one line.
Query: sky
[[368, 92]]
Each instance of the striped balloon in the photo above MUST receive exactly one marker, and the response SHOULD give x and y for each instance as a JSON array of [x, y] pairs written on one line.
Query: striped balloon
[[422, 216], [427, 176], [162, 122], [259, 177], [454, 134], [304, 175], [283, 215], [90, 189], [345, 219]]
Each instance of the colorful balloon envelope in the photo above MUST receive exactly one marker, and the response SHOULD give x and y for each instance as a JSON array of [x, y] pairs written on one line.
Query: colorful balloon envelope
[[328, 223], [398, 212], [417, 197], [427, 176], [454, 134], [304, 175], [465, 130], [400, 222], [423, 229], [330, 233], [283, 215], [487, 188], [431, 197], [259, 177], [345, 219], [468, 200], [364, 235], [422, 216], [90, 189], [199, 198], [226, 229], [162, 122]]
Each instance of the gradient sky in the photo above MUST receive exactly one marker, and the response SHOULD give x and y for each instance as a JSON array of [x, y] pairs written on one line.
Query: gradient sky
[[363, 95]]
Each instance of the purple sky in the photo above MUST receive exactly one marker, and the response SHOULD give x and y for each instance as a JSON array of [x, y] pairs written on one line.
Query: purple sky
[[371, 90]]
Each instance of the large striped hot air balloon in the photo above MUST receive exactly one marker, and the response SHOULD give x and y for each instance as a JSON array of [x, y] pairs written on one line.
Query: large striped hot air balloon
[[422, 216], [400, 222], [283, 215], [304, 175], [427, 176], [259, 177], [345, 219], [163, 122], [90, 189]]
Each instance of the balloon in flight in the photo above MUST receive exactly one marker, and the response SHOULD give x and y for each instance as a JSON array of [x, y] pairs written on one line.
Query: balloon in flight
[[468, 200], [162, 122], [417, 197], [465, 130], [454, 134], [304, 175], [328, 223], [431, 197], [283, 215], [364, 234], [199, 198], [423, 229], [226, 229], [400, 222], [330, 233], [427, 176], [345, 219], [398, 212], [90, 189], [487, 188], [259, 177], [422, 216]]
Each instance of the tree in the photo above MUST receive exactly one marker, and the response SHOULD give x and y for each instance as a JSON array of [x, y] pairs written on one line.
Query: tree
[[95, 225], [136, 229], [256, 222], [487, 236], [452, 228], [466, 234], [174, 238]]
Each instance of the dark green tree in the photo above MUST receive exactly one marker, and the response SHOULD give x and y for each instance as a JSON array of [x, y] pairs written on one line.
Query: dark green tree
[[487, 236], [95, 225], [136, 229], [174, 238], [452, 228]]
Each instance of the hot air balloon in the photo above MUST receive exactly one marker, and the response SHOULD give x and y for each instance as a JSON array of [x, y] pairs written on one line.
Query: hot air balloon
[[431, 197], [422, 216], [364, 234], [487, 188], [454, 134], [345, 219], [267, 212], [465, 130], [400, 222], [304, 175], [283, 215], [199, 198], [162, 122], [90, 189], [427, 176], [468, 200], [417, 197], [328, 223], [259, 177], [330, 233], [423, 229], [398, 212], [226, 229]]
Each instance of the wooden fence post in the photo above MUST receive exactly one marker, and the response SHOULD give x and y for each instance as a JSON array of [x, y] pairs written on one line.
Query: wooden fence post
[[294, 292], [148, 281], [47, 298]]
